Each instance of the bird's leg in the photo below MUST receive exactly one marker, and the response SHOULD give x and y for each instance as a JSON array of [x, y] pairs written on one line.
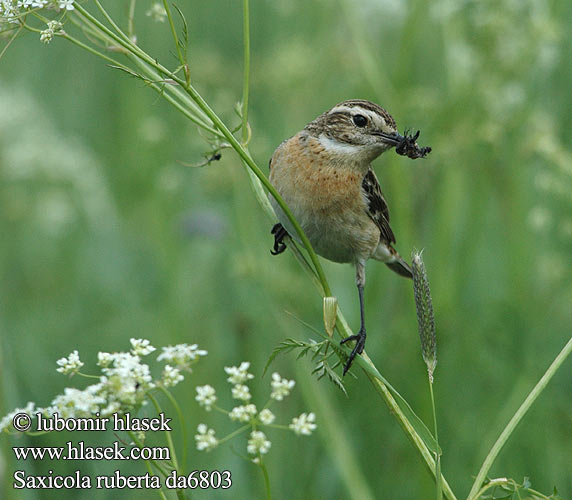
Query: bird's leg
[[279, 233], [360, 336]]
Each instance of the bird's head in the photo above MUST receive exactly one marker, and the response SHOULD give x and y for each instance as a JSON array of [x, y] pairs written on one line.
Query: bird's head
[[358, 129]]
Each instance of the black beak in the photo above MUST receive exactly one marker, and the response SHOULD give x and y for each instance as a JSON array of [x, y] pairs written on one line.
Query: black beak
[[392, 139]]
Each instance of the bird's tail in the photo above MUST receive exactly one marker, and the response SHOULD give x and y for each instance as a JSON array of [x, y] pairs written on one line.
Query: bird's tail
[[400, 267], [388, 255]]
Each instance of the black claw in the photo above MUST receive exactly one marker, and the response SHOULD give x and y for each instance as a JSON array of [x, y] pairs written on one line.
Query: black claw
[[358, 348], [279, 233]]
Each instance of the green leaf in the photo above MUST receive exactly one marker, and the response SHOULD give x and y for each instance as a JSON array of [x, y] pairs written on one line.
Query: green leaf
[[185, 31], [285, 346], [323, 369], [415, 421]]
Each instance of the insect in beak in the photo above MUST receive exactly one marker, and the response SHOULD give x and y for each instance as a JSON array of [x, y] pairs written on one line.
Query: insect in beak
[[408, 146]]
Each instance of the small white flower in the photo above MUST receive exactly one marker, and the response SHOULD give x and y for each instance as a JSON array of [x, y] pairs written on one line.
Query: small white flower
[[30, 409], [241, 392], [74, 403], [9, 12], [104, 359], [181, 355], [304, 424], [141, 347], [157, 12], [66, 4], [110, 409], [55, 25], [171, 376], [125, 379], [69, 365], [205, 438], [266, 416], [281, 387], [206, 396], [238, 375], [46, 36], [258, 443], [243, 413]]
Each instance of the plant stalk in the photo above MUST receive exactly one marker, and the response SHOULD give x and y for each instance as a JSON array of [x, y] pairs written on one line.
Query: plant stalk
[[517, 417]]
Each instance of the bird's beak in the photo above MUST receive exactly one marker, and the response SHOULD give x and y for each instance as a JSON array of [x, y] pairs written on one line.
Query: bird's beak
[[392, 139]]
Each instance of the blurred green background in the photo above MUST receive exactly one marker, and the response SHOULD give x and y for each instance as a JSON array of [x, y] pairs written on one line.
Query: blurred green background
[[106, 236]]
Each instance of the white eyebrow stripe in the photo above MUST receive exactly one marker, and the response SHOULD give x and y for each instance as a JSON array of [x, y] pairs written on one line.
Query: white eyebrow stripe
[[354, 110]]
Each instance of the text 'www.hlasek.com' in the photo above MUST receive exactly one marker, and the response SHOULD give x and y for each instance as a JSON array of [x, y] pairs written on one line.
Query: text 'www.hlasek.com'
[[118, 450]]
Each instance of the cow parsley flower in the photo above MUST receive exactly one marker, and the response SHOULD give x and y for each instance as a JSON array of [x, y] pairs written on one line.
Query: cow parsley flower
[[157, 12], [104, 359], [206, 396], [205, 438], [281, 387], [29, 409], [258, 443], [182, 355], [126, 380], [69, 365], [304, 424], [141, 347], [238, 375], [266, 416], [66, 4], [74, 403], [46, 36], [171, 376], [241, 392], [243, 413]]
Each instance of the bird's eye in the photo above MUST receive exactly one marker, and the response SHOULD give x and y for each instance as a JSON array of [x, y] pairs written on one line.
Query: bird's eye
[[360, 121]]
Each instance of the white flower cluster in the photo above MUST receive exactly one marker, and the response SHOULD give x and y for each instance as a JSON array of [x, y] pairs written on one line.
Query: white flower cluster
[[242, 392], [304, 424], [16, 12], [280, 387], [182, 355], [172, 376], [258, 444], [206, 396], [238, 375], [205, 438], [11, 10], [247, 413], [243, 413], [157, 12], [123, 383], [47, 35], [141, 347], [69, 365], [29, 409]]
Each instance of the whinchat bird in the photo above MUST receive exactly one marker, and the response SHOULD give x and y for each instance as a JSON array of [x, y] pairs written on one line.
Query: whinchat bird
[[324, 175]]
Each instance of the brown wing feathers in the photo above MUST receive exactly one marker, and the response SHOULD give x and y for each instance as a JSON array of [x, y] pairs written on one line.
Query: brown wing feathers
[[377, 207]]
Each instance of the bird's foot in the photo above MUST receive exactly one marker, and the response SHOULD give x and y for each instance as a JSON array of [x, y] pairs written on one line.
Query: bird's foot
[[279, 233], [358, 348]]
